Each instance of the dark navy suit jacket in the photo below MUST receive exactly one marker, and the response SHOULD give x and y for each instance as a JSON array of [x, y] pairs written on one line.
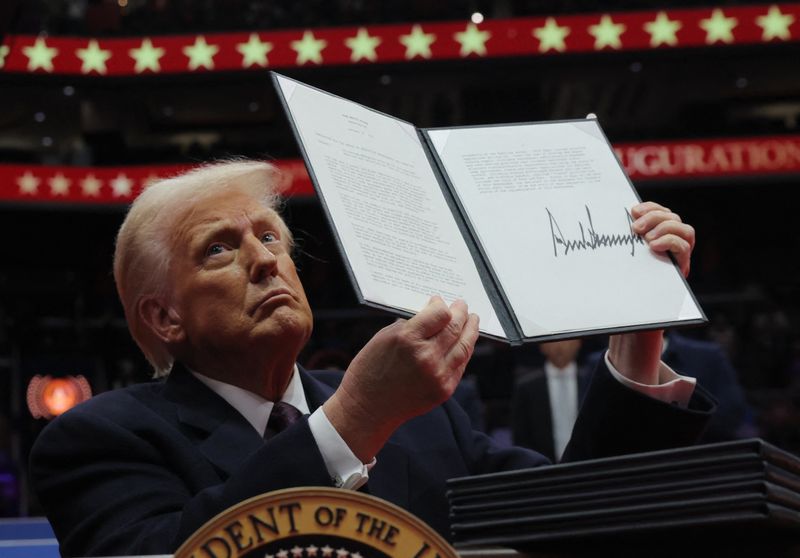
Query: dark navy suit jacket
[[138, 470], [531, 418]]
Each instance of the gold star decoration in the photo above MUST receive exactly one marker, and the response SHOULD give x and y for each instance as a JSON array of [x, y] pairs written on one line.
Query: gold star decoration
[[28, 184], [4, 50], [201, 54], [309, 48], [607, 33], [472, 39], [121, 185], [551, 36], [718, 27], [147, 57], [93, 58], [775, 24], [363, 45], [91, 186], [663, 30], [418, 43], [59, 185], [40, 55], [254, 51]]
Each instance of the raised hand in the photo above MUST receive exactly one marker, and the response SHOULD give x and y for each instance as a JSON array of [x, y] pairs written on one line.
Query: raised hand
[[405, 370]]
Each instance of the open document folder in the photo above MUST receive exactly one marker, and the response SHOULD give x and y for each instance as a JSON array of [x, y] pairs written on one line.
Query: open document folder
[[529, 223]]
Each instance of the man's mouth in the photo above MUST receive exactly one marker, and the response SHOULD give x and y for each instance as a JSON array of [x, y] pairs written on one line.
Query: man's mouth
[[272, 294]]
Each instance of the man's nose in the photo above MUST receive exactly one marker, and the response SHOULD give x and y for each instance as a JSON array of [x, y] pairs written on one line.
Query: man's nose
[[261, 262]]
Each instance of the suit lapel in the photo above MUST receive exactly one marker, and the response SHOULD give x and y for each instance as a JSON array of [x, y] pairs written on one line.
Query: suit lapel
[[221, 433]]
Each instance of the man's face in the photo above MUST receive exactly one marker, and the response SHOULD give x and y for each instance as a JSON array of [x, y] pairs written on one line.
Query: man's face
[[233, 282]]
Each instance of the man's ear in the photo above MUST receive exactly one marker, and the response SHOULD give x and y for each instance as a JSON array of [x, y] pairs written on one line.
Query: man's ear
[[162, 319]]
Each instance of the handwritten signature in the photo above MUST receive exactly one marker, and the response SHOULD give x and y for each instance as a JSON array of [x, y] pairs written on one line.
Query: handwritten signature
[[595, 240]]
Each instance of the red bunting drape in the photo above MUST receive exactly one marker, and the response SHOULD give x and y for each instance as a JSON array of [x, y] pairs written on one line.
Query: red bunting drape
[[412, 42]]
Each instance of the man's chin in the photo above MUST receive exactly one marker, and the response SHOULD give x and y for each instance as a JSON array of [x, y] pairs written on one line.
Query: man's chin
[[287, 324]]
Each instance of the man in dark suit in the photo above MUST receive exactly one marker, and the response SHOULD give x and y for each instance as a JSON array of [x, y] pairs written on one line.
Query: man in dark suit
[[546, 400], [211, 295], [706, 361]]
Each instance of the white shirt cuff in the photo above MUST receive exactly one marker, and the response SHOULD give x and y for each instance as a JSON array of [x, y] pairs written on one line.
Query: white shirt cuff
[[345, 469], [671, 387]]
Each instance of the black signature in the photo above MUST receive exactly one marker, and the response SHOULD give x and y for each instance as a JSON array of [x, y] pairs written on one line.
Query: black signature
[[595, 240]]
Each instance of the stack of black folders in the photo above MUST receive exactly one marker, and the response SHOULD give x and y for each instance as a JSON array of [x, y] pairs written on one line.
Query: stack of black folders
[[738, 498]]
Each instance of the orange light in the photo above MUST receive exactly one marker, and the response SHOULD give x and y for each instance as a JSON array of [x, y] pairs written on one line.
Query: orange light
[[48, 397]]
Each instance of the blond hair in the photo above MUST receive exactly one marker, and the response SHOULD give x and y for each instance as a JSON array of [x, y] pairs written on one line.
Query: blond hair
[[143, 253]]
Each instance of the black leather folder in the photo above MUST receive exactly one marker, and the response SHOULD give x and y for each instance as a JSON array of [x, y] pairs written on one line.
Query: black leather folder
[[727, 490]]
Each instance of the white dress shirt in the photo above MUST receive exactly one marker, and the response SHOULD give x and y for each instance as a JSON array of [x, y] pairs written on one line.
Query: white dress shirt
[[562, 387], [345, 469]]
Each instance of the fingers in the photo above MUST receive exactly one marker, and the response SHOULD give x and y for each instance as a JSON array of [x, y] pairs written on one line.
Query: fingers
[[430, 320], [665, 232], [461, 350]]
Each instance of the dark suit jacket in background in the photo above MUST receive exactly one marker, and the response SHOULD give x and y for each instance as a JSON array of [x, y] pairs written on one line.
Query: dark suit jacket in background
[[138, 470], [531, 418], [707, 362]]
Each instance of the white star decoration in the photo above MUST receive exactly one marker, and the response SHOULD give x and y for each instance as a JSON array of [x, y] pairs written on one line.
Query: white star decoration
[[91, 186], [663, 30], [551, 36], [418, 43], [363, 45], [93, 58], [4, 50], [326, 551], [311, 551], [40, 55], [147, 57], [28, 184], [282, 553], [472, 39], [718, 27], [201, 54], [59, 185], [121, 186], [309, 48], [775, 25], [607, 33], [254, 51], [342, 553]]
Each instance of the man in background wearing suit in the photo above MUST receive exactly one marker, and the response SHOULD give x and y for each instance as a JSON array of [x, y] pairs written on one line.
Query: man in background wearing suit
[[204, 271], [546, 400]]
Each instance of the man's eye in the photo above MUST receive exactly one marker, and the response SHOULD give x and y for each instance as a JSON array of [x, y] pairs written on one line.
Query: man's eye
[[215, 249], [268, 237]]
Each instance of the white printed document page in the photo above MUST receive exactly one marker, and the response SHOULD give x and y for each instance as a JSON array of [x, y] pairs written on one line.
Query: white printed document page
[[398, 234], [550, 206]]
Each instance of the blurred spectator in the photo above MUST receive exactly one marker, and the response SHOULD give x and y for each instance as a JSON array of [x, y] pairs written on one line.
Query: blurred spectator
[[546, 400], [708, 363]]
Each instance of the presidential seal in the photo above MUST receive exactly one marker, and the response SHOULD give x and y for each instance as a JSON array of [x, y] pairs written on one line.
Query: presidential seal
[[315, 523]]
